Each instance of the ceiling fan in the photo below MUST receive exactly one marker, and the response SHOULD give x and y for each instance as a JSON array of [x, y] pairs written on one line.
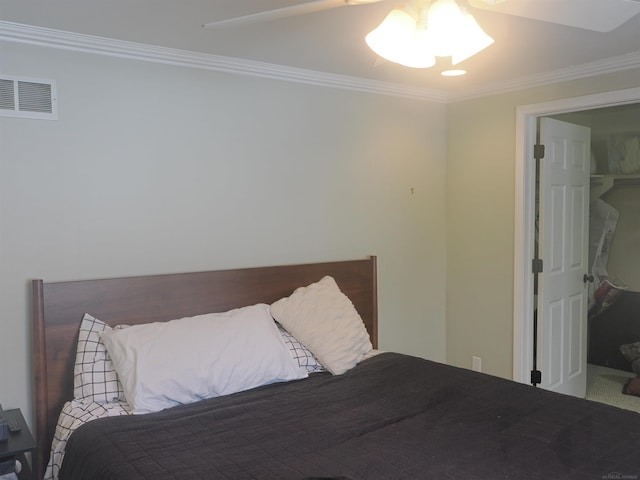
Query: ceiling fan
[[285, 12], [596, 15]]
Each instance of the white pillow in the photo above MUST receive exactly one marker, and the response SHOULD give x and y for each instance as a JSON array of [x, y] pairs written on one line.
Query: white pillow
[[94, 376], [164, 364], [326, 322]]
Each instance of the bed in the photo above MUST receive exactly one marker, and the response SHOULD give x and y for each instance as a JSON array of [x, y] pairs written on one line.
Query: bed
[[389, 416]]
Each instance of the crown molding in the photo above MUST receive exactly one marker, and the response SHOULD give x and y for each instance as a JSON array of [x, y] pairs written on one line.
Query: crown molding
[[608, 65], [28, 34]]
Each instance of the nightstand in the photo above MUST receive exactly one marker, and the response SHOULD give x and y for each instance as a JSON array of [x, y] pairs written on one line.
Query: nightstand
[[18, 444]]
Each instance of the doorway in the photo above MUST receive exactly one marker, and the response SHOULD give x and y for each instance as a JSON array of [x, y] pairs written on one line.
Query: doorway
[[525, 211]]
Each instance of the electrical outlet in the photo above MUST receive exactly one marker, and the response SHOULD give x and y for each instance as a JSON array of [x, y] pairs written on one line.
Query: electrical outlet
[[476, 364]]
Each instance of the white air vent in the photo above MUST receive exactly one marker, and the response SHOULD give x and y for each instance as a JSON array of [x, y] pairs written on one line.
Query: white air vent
[[27, 98]]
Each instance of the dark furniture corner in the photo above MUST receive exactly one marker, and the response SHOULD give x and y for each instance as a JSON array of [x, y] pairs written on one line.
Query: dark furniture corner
[[18, 444], [618, 325]]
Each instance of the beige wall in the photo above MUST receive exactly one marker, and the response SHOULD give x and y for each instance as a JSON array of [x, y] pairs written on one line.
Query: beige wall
[[480, 217], [156, 169]]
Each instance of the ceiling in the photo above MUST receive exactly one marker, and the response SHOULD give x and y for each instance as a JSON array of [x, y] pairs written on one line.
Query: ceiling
[[331, 41]]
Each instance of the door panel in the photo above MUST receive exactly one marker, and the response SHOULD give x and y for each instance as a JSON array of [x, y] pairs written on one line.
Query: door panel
[[576, 355], [555, 222], [553, 337], [562, 295]]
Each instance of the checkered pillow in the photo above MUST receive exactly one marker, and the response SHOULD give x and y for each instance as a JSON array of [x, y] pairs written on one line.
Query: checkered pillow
[[94, 376], [304, 357]]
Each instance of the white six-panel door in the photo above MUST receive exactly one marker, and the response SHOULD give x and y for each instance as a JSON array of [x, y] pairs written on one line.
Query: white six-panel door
[[563, 247]]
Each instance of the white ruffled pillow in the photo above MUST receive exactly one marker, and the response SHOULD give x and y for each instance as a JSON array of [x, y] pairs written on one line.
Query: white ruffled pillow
[[164, 364], [326, 322]]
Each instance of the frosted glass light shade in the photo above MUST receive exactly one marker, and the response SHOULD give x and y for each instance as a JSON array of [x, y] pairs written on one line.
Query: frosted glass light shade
[[392, 35], [472, 40], [419, 52], [398, 40], [444, 24]]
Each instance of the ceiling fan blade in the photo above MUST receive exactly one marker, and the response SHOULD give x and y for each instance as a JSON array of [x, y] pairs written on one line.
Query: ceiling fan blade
[[595, 15], [284, 12]]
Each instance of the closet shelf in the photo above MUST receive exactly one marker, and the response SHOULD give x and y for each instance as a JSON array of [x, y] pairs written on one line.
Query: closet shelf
[[600, 184]]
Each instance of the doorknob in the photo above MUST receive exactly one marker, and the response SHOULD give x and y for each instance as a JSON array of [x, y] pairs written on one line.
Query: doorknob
[[587, 278]]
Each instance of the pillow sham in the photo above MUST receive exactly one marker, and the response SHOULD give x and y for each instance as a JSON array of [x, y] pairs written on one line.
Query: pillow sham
[[323, 318], [164, 364], [303, 356], [94, 375]]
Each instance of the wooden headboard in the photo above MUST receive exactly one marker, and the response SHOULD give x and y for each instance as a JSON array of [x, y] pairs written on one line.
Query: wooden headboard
[[58, 309]]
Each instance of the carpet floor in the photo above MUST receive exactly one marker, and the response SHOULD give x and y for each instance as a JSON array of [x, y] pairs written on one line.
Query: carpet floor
[[604, 385]]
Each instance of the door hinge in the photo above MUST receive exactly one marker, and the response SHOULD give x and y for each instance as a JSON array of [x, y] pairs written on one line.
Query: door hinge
[[536, 377], [538, 152], [536, 265]]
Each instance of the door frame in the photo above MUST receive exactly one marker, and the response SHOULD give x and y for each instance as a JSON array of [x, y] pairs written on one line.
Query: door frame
[[524, 220]]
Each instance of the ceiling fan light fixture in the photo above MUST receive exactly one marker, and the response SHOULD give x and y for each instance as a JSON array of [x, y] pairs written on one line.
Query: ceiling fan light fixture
[[414, 38]]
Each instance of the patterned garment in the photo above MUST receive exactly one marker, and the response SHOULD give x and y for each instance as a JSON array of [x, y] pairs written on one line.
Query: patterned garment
[[305, 358], [73, 415]]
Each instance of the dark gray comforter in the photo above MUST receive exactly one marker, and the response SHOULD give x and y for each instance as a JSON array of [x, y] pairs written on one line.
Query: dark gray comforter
[[391, 417]]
